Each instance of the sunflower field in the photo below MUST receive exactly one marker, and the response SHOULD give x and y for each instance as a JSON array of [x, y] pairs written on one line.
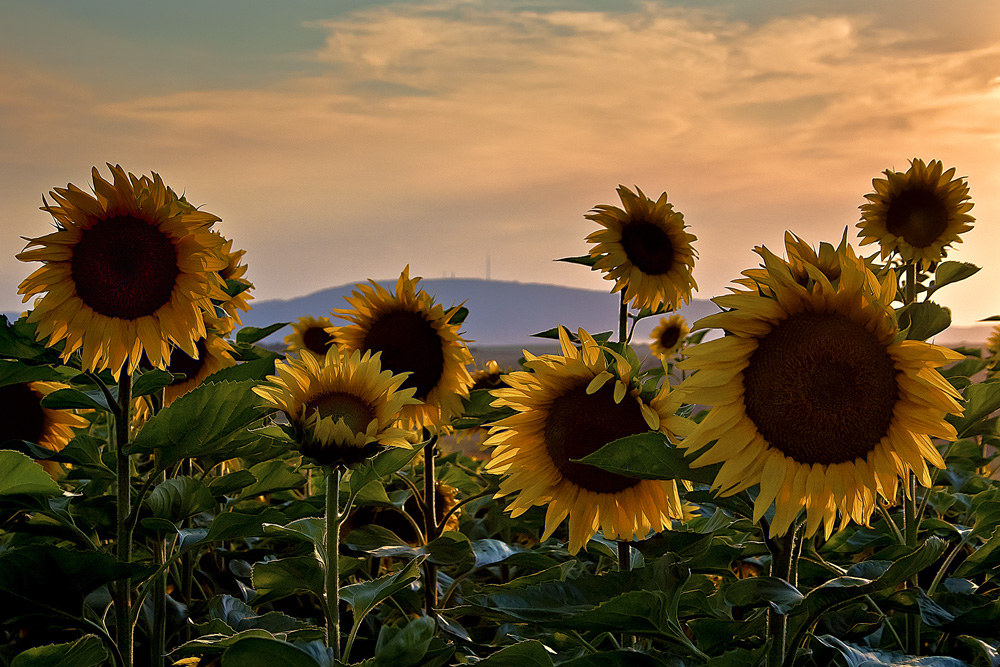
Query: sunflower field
[[799, 479]]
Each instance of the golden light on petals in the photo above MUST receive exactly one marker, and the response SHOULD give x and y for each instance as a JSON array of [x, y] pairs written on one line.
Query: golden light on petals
[[918, 213], [668, 336], [644, 249], [566, 407], [130, 271], [414, 335], [311, 334], [811, 395], [342, 408]]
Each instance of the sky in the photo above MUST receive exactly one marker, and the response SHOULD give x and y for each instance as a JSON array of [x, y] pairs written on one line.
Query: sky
[[344, 140]]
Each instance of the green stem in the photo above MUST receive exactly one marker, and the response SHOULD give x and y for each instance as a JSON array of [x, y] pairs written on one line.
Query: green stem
[[331, 590], [158, 645], [910, 518], [432, 528], [622, 320], [123, 533], [784, 565], [624, 565]]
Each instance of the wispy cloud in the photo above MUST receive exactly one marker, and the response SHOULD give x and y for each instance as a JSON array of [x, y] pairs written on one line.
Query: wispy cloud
[[434, 133]]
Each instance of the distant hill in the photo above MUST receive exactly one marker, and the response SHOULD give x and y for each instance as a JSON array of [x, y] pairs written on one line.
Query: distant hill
[[506, 313], [501, 313]]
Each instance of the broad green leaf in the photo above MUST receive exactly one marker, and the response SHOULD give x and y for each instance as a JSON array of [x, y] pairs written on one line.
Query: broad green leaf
[[21, 475], [490, 552], [449, 549], [647, 456], [458, 317], [951, 272], [981, 400], [15, 372], [924, 320], [231, 482], [216, 644], [984, 559], [262, 652], [286, 576], [477, 410], [404, 646], [382, 465], [200, 423], [272, 476], [857, 656], [531, 653], [75, 399], [311, 530], [255, 369], [761, 591], [17, 341], [178, 498], [229, 613], [150, 382], [87, 651], [254, 334], [365, 596], [237, 525]]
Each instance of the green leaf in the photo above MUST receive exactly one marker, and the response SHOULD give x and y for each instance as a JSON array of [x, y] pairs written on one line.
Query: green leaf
[[404, 646], [647, 456], [231, 482], [14, 372], [477, 410], [256, 370], [457, 317], [760, 591], [21, 475], [74, 399], [309, 529], [202, 422], [178, 498], [857, 656], [951, 272], [237, 525], [382, 465], [254, 334], [984, 559], [585, 260], [449, 549], [924, 320], [287, 576], [151, 382], [17, 340], [87, 651], [272, 476], [490, 552], [263, 652], [365, 596], [531, 653], [981, 400]]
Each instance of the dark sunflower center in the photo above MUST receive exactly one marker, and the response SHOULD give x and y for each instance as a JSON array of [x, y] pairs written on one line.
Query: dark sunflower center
[[336, 405], [821, 389], [21, 416], [182, 362], [670, 336], [317, 340], [579, 424], [648, 246], [918, 216], [408, 342], [124, 267]]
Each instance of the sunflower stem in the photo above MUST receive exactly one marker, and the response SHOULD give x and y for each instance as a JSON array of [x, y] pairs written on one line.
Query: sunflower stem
[[430, 519], [123, 533], [910, 519], [784, 565], [623, 320], [625, 565], [331, 588]]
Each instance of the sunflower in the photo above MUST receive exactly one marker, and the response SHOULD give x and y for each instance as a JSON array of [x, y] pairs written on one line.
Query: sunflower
[[917, 213], [22, 417], [233, 274], [668, 336], [214, 353], [644, 249], [570, 406], [813, 397], [415, 336], [311, 334], [128, 272], [342, 408]]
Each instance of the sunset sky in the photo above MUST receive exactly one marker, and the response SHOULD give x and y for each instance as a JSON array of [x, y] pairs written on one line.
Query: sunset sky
[[342, 140]]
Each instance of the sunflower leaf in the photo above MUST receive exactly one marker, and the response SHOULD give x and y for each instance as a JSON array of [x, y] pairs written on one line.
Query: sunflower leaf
[[87, 651], [530, 653], [586, 260], [920, 321], [647, 456], [981, 400], [951, 272], [761, 591], [366, 595], [151, 381], [266, 652], [383, 464], [179, 498], [14, 372], [287, 576], [254, 334], [458, 315], [17, 341], [74, 399], [20, 475]]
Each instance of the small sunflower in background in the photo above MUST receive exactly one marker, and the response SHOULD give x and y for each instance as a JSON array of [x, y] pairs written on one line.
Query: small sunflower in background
[[414, 335], [812, 396], [569, 406], [918, 213], [214, 354], [129, 272], [343, 408], [312, 334], [233, 275], [668, 336], [488, 377], [22, 417], [645, 250]]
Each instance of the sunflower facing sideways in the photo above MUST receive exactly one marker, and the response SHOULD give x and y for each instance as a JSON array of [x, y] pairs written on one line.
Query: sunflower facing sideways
[[214, 354], [567, 407], [668, 336], [812, 396], [917, 213], [128, 272], [644, 249], [415, 336], [342, 408], [22, 417], [311, 334]]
